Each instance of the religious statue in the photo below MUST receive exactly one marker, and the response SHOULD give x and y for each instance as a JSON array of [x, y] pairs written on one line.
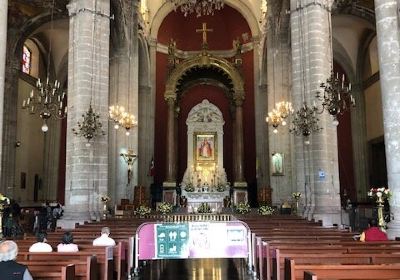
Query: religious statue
[[237, 45], [171, 47]]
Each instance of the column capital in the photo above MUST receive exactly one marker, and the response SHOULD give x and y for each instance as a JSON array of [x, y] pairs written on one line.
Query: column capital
[[169, 94], [238, 98]]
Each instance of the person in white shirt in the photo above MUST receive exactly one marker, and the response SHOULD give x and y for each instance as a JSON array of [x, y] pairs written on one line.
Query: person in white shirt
[[67, 243], [41, 246], [104, 239]]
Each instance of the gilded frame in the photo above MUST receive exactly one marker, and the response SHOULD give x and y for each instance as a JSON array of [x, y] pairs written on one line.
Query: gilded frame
[[205, 147]]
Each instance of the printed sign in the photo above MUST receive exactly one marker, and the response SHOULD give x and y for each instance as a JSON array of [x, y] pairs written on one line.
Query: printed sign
[[193, 240], [172, 240]]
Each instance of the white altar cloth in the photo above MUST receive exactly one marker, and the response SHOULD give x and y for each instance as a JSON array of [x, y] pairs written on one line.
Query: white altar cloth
[[214, 199]]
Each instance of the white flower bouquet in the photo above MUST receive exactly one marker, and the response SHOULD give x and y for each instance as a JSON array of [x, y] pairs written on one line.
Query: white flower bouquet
[[189, 187], [296, 195], [143, 210], [377, 193], [204, 208], [164, 207], [105, 198], [4, 200], [242, 208], [265, 210]]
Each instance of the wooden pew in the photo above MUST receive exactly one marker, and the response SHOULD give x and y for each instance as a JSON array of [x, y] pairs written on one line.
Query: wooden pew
[[104, 263], [41, 272], [295, 271], [84, 270]]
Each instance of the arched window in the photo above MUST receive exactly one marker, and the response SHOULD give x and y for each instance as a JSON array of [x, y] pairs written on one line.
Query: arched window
[[26, 60], [30, 58]]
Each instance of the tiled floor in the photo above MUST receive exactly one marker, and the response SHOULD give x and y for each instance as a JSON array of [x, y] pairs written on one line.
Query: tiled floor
[[199, 269]]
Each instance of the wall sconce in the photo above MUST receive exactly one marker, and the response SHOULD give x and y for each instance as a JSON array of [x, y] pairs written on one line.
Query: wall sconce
[[129, 158]]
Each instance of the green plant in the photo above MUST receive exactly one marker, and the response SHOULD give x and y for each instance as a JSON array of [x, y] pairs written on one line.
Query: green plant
[[164, 207], [204, 208], [265, 210], [242, 208], [143, 210]]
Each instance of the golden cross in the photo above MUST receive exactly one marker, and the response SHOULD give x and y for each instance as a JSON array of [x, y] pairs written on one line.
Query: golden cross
[[204, 30]]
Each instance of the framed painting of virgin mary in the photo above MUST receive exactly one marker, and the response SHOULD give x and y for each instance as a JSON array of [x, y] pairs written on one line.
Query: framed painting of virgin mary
[[205, 147]]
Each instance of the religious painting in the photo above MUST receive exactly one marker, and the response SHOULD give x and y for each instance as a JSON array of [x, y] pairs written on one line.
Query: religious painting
[[205, 145], [277, 164]]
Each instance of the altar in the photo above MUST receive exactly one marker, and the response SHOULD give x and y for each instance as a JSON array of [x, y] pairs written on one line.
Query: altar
[[204, 180], [214, 199]]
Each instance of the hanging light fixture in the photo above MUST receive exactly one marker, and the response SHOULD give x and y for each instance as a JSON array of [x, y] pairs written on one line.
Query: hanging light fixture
[[47, 99], [274, 119], [336, 97], [115, 114], [128, 121], [200, 7], [305, 122], [90, 127], [284, 109]]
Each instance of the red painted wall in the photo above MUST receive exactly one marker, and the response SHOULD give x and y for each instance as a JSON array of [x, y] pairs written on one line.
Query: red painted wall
[[227, 25]]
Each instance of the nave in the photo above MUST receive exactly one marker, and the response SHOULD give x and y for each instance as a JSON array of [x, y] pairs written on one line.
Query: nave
[[198, 269], [280, 247]]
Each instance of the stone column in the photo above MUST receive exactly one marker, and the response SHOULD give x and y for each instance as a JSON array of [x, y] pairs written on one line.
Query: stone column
[[317, 164], [239, 150], [169, 185], [3, 49], [388, 30], [170, 167], [88, 81]]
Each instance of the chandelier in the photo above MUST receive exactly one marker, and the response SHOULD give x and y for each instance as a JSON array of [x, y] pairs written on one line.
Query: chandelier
[[48, 100], [274, 119], [118, 115], [90, 127], [200, 7], [115, 114], [279, 114], [305, 122], [336, 97]]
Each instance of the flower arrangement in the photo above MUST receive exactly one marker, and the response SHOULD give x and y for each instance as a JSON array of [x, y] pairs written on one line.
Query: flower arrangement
[[296, 195], [105, 198], [242, 208], [379, 193], [4, 200], [265, 210], [143, 210], [164, 208], [221, 188], [189, 187], [204, 208]]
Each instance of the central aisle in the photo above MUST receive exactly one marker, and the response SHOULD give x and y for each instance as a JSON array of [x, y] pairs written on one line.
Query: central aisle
[[196, 269]]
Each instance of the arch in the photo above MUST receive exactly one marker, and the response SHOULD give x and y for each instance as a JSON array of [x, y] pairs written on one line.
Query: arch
[[205, 60], [242, 8]]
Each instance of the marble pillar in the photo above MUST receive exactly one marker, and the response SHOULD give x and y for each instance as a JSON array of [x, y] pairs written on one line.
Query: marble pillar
[[88, 83], [316, 164], [388, 35]]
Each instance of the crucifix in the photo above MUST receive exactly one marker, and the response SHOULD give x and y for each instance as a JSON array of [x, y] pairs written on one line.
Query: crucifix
[[204, 30]]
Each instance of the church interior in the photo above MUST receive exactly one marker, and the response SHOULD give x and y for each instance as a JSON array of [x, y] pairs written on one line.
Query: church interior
[[268, 116]]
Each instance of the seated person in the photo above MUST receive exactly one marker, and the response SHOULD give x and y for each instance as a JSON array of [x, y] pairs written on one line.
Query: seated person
[[41, 246], [9, 268], [67, 243], [373, 233], [104, 239]]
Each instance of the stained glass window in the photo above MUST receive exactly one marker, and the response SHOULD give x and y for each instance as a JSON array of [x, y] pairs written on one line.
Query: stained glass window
[[26, 60]]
